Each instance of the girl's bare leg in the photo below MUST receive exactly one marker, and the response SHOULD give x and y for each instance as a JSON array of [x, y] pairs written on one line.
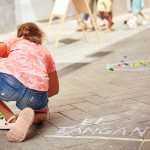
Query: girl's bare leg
[[40, 115], [110, 20], [6, 111]]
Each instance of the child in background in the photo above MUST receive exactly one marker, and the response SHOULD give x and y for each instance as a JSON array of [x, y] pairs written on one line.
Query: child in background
[[28, 76], [104, 7], [135, 7], [85, 20]]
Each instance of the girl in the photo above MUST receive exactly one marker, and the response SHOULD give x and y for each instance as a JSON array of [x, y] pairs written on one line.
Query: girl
[[28, 76]]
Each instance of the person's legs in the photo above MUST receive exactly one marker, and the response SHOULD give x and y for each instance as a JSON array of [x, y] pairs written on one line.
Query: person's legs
[[20, 129], [25, 119], [109, 18], [40, 115]]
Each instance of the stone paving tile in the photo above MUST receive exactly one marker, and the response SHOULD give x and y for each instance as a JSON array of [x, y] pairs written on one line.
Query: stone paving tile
[[143, 99], [36, 143], [133, 114], [55, 116], [3, 136], [123, 101], [86, 106], [94, 99], [138, 106], [146, 93], [76, 114], [63, 122], [111, 117], [68, 96], [114, 110], [114, 145], [80, 147], [43, 129], [10, 146], [59, 109], [60, 102], [142, 119], [124, 97], [145, 146], [64, 143], [114, 94], [145, 123]]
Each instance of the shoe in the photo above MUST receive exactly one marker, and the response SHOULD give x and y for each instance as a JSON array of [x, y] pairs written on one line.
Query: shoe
[[6, 125], [19, 131], [91, 29], [79, 30], [107, 30], [85, 27], [144, 22]]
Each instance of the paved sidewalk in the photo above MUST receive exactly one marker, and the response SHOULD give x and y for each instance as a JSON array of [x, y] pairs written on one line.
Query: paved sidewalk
[[96, 109]]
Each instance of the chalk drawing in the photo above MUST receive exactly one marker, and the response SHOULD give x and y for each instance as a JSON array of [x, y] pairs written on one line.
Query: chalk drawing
[[94, 128], [98, 137], [86, 128], [101, 131], [136, 65]]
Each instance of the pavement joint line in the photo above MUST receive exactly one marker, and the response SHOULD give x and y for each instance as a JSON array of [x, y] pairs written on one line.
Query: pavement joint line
[[97, 137]]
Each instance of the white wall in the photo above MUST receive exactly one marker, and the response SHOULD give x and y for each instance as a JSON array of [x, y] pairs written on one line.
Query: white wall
[[35, 10], [7, 16], [16, 12], [32, 10]]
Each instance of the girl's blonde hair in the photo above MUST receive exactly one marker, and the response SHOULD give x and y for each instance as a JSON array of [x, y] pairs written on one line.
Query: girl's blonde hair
[[31, 32]]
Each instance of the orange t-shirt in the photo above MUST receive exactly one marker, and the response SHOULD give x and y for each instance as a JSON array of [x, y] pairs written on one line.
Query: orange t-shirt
[[29, 63]]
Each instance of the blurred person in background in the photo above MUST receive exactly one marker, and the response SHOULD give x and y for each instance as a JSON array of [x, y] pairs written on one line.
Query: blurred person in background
[[104, 7], [92, 4], [135, 8]]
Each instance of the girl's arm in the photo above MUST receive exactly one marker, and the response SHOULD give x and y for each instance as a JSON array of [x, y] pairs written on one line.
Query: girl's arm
[[53, 84], [3, 49]]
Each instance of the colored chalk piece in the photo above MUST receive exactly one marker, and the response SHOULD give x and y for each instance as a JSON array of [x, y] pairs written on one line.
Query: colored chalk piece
[[125, 64], [144, 65], [111, 69], [1, 116]]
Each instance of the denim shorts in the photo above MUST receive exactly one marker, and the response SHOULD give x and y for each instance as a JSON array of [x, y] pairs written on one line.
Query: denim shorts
[[13, 90]]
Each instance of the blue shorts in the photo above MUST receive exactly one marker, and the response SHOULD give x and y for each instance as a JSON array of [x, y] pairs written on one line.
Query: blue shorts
[[13, 90]]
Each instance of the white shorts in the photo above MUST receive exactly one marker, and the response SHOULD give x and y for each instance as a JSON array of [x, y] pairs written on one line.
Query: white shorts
[[104, 6]]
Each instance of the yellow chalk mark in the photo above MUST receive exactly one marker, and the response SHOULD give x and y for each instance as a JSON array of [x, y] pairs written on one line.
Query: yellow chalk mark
[[98, 137]]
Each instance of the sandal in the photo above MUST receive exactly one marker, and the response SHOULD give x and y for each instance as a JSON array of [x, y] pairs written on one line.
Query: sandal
[[19, 131], [6, 124], [107, 30]]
